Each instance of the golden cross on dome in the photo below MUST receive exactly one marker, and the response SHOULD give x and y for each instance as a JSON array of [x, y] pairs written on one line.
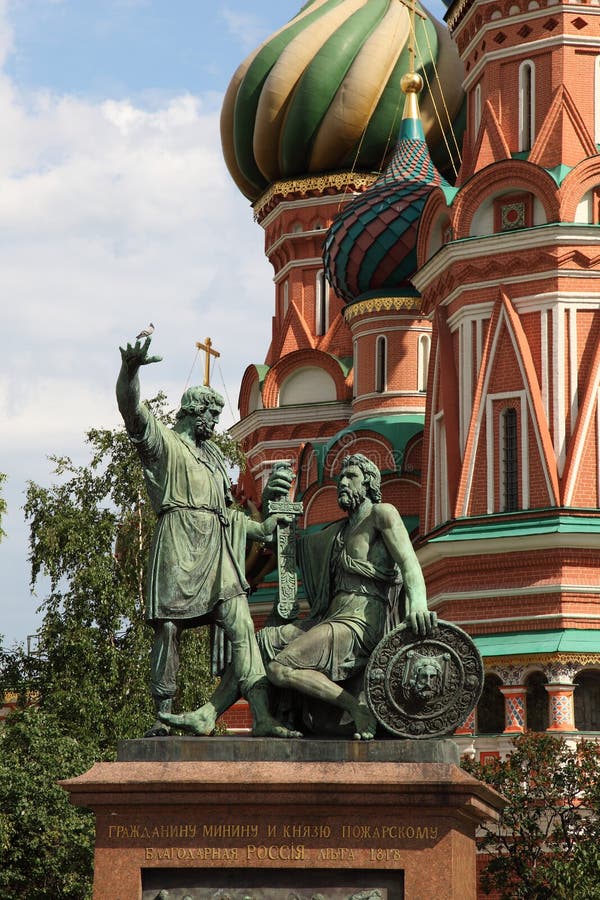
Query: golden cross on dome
[[411, 5], [207, 347]]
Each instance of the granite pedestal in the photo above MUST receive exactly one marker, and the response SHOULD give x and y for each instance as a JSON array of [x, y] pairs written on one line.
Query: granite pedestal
[[280, 819]]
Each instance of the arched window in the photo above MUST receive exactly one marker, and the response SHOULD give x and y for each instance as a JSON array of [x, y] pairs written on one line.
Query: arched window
[[586, 701], [490, 709], [536, 700], [321, 303], [476, 110], [423, 362], [381, 364], [510, 460], [286, 297], [526, 105]]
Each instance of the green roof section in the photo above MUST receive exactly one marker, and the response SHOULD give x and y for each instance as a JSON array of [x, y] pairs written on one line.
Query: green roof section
[[559, 173], [526, 643], [345, 363], [397, 429], [506, 527]]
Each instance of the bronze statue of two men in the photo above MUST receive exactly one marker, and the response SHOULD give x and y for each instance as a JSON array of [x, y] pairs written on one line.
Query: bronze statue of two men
[[196, 571]]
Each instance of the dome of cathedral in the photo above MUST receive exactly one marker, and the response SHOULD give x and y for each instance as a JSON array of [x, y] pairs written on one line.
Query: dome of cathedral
[[321, 94], [371, 246]]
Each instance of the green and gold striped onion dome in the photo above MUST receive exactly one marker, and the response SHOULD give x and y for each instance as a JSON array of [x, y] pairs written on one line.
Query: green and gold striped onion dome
[[323, 93]]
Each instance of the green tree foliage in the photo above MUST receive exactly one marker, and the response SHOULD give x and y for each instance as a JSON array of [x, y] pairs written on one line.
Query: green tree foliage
[[46, 845], [87, 687], [546, 845]]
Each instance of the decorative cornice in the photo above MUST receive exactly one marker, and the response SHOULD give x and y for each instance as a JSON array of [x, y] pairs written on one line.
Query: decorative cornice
[[456, 12], [290, 415], [530, 659], [337, 180], [381, 304]]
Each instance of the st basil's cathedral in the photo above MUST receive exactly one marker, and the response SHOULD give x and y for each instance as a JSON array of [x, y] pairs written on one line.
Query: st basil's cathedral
[[434, 232]]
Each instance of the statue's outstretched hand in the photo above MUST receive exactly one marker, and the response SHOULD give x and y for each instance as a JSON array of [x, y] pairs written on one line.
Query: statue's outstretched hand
[[136, 355]]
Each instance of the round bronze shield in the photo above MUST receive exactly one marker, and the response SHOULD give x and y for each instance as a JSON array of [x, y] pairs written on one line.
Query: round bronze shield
[[424, 687]]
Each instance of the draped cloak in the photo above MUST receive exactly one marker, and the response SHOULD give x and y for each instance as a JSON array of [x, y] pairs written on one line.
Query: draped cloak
[[350, 596], [197, 553]]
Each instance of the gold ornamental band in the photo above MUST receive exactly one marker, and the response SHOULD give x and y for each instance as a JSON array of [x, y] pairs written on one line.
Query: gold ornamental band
[[339, 181], [381, 304]]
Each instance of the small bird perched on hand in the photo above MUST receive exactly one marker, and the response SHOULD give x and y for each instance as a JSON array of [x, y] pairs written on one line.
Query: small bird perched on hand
[[146, 332]]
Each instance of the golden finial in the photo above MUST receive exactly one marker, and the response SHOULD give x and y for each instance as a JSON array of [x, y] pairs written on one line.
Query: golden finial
[[411, 83]]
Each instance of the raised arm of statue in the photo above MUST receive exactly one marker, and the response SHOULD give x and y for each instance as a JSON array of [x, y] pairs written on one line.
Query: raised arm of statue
[[128, 383], [399, 546]]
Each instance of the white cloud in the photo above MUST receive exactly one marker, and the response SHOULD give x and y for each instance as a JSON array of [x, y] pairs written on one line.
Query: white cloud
[[110, 216], [246, 28]]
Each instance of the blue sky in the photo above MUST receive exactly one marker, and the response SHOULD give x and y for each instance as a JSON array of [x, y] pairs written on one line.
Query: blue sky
[[116, 209]]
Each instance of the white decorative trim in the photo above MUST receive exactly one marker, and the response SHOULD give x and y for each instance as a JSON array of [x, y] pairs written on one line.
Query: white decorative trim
[[545, 386], [381, 365], [423, 352], [376, 395], [479, 341], [436, 552], [311, 202], [561, 615], [558, 368], [294, 236], [573, 366], [297, 264], [430, 448], [465, 380], [491, 245], [580, 299], [526, 105], [472, 311], [507, 21], [476, 110], [286, 297], [359, 332], [561, 40], [290, 415], [581, 444], [321, 303], [525, 591]]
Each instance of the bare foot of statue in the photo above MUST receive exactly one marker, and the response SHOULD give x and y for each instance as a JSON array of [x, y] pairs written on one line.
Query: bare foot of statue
[[365, 723], [200, 721], [267, 726]]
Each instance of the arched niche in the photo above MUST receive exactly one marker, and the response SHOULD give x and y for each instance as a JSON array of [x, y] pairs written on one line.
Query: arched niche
[[307, 385], [536, 700], [490, 709], [586, 700]]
